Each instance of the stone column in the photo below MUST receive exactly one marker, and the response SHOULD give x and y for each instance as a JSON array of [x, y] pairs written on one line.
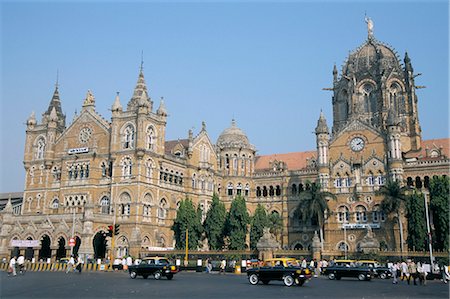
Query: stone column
[[316, 248], [267, 244]]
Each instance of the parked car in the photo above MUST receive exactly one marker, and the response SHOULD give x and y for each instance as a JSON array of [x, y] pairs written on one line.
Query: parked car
[[379, 270], [156, 266], [284, 269], [339, 271]]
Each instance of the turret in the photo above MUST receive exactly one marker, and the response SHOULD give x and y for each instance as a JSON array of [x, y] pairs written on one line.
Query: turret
[[394, 146], [116, 107], [162, 111], [322, 142]]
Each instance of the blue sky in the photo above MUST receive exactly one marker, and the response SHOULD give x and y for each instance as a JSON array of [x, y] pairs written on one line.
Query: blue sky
[[263, 63]]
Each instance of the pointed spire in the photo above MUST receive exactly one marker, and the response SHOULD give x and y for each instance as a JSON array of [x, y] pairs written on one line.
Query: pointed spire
[[408, 65], [233, 123], [8, 208], [203, 126], [140, 91], [322, 124], [117, 106], [162, 108]]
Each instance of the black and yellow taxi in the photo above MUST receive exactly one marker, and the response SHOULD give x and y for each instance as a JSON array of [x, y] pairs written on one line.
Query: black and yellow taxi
[[156, 266], [282, 269]]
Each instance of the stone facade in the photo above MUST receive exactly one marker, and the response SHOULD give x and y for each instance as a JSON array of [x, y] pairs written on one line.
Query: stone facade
[[95, 172]]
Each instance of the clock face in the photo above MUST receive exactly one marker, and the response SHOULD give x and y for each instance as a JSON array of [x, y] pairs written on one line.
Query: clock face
[[85, 134], [357, 144]]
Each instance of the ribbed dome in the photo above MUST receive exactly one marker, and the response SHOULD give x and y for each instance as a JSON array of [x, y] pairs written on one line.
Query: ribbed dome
[[369, 55], [233, 137]]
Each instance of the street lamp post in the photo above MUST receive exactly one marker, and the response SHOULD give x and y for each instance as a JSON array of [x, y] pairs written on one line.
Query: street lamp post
[[430, 246]]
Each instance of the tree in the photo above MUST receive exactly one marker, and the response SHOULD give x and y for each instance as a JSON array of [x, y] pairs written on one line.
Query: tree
[[394, 198], [187, 219], [215, 223], [417, 233], [258, 223], [236, 224], [275, 223], [439, 207], [313, 205]]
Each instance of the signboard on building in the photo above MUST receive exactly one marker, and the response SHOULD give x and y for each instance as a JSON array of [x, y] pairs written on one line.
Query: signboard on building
[[78, 150], [25, 243], [360, 225]]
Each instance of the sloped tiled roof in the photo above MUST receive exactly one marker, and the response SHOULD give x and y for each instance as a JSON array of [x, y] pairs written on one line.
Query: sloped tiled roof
[[442, 144], [170, 144], [294, 161]]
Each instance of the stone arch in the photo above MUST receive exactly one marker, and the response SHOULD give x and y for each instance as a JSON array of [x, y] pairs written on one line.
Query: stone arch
[[297, 245], [122, 246], [340, 245]]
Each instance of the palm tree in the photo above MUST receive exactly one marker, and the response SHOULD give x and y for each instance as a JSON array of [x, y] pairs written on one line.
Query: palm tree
[[313, 205], [394, 199]]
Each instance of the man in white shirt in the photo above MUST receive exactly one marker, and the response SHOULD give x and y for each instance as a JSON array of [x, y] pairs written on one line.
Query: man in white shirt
[[12, 266], [21, 262], [70, 264]]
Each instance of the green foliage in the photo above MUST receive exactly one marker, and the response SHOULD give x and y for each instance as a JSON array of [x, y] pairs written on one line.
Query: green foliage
[[394, 197], [313, 204], [275, 223], [187, 219], [259, 221], [439, 207], [214, 224], [417, 234], [236, 224]]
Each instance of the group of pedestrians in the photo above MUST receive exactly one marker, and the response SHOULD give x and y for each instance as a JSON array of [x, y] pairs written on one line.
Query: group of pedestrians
[[410, 270], [16, 264], [75, 266]]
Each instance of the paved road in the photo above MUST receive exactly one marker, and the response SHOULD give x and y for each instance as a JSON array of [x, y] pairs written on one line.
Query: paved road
[[200, 285]]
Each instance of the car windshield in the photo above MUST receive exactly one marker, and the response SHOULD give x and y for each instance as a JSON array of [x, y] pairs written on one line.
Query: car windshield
[[162, 262]]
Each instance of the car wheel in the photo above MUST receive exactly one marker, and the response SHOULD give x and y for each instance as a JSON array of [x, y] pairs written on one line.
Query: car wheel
[[265, 281], [331, 276], [133, 274], [338, 277], [157, 275], [169, 276], [253, 279], [145, 276], [383, 276], [288, 280], [301, 282], [361, 276]]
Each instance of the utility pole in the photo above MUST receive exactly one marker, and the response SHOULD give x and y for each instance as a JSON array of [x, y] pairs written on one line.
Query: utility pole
[[345, 234], [73, 231], [187, 249], [430, 246]]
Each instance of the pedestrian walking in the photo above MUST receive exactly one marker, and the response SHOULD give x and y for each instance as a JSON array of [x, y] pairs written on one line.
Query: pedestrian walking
[[21, 264], [404, 274], [421, 274], [394, 269], [412, 270], [80, 263], [223, 264], [70, 264], [12, 266]]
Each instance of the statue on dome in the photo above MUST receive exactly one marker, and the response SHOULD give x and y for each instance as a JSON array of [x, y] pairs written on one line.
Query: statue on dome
[[369, 23]]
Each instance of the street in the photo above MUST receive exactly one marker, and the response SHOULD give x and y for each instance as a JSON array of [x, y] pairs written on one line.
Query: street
[[201, 285]]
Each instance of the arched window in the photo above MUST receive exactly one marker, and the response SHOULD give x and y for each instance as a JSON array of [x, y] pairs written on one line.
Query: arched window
[[230, 189], [162, 209], [40, 148], [338, 182], [278, 190], [126, 167], [258, 191], [294, 189], [342, 246], [271, 191], [128, 137], [151, 140], [264, 191], [347, 181], [194, 183], [376, 213], [247, 190], [227, 162], [125, 209], [380, 179], [360, 215], [105, 205], [239, 189], [55, 203], [343, 214], [409, 182], [370, 179], [418, 182]]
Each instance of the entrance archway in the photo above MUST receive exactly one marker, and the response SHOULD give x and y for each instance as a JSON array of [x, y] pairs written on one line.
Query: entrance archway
[[77, 245], [61, 251], [29, 252], [45, 252], [99, 244]]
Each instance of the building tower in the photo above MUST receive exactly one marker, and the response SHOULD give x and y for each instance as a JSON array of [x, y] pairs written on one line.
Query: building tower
[[322, 142]]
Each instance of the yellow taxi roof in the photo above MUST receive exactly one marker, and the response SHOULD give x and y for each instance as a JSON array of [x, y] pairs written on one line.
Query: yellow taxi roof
[[280, 259]]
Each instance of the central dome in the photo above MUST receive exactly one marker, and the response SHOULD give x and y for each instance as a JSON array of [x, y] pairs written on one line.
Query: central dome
[[233, 137]]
